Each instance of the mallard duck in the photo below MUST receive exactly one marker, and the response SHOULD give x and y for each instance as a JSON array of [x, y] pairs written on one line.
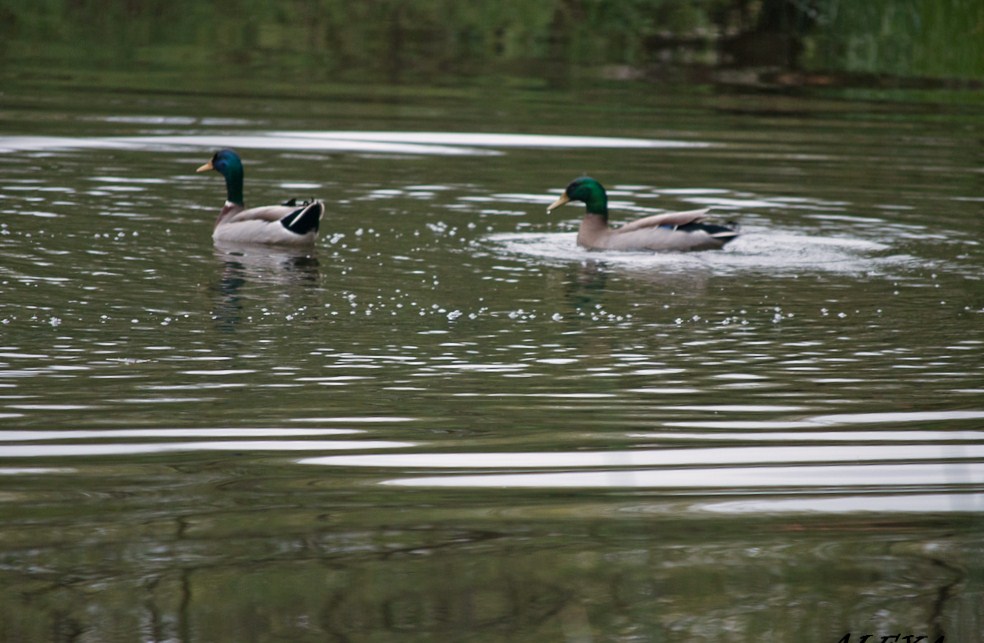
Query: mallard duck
[[674, 231], [290, 223]]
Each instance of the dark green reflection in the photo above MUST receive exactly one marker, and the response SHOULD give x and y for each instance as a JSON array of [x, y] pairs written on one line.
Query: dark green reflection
[[322, 40], [348, 574]]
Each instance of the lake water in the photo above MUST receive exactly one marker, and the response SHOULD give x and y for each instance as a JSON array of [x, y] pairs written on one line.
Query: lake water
[[447, 422]]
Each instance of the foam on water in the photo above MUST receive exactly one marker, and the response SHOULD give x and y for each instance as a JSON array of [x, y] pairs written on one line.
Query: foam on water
[[758, 249]]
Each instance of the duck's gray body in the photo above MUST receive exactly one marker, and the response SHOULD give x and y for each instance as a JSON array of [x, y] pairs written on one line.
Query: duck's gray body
[[670, 232], [282, 225]]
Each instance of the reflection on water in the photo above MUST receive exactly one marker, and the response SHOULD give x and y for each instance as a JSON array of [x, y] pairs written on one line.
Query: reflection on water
[[439, 143], [88, 450], [244, 265], [899, 503], [923, 460], [873, 477], [447, 421]]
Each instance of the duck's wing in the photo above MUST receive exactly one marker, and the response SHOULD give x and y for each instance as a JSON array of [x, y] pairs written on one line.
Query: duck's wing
[[272, 224], [298, 219], [268, 213], [674, 219], [675, 231], [304, 219]]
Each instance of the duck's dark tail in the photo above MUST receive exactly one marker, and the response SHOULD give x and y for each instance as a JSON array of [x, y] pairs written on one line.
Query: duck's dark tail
[[723, 233], [726, 233], [304, 219]]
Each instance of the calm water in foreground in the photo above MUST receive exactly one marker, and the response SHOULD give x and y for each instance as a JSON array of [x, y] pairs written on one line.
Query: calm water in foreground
[[447, 422]]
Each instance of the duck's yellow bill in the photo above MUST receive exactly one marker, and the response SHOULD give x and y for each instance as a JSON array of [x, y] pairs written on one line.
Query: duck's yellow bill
[[205, 168], [563, 200]]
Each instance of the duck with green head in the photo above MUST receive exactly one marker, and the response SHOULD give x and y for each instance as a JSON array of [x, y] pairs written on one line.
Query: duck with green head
[[674, 231], [288, 224]]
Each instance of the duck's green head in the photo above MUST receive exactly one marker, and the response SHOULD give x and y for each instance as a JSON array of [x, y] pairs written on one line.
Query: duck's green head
[[228, 164], [586, 190]]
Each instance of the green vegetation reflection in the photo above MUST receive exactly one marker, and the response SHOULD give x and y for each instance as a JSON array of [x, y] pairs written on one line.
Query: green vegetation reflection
[[321, 40]]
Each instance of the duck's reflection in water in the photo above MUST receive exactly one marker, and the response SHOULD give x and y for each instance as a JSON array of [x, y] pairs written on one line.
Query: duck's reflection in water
[[587, 283], [244, 266]]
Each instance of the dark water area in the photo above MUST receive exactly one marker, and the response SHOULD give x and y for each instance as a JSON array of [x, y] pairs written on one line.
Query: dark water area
[[448, 422]]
